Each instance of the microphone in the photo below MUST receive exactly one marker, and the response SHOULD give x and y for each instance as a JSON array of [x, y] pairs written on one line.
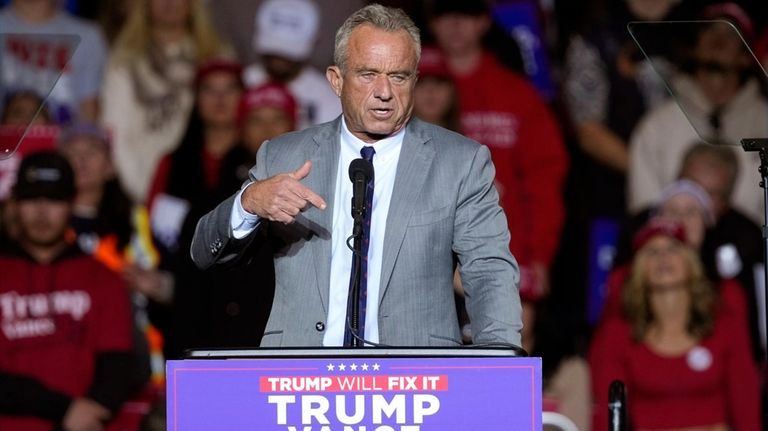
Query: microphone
[[360, 172], [617, 406]]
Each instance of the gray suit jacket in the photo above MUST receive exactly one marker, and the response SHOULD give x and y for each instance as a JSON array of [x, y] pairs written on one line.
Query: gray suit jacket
[[443, 202]]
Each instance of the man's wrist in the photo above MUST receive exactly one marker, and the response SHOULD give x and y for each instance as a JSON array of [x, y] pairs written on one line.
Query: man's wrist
[[242, 222], [244, 213]]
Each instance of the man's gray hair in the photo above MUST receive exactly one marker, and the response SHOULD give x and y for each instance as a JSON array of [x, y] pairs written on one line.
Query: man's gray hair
[[381, 17]]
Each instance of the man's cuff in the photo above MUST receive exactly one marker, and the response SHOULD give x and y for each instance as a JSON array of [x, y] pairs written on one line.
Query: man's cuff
[[241, 221]]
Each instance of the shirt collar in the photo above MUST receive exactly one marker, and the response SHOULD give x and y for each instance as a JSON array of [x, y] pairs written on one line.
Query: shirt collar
[[384, 147]]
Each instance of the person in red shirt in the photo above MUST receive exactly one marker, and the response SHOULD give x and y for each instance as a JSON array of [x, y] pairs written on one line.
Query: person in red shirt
[[502, 110], [66, 359], [685, 362]]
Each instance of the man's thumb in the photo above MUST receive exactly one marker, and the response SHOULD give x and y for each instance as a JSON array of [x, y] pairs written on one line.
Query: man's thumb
[[303, 171]]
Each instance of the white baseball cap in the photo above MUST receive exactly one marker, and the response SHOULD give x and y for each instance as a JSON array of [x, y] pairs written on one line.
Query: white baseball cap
[[287, 28]]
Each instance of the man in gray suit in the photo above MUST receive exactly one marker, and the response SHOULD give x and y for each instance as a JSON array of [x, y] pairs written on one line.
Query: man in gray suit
[[434, 203]]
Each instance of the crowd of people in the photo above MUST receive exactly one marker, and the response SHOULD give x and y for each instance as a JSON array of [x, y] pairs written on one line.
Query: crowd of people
[[633, 215]]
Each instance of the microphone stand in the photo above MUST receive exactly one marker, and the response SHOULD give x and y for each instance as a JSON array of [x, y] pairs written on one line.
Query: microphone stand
[[761, 146], [353, 299]]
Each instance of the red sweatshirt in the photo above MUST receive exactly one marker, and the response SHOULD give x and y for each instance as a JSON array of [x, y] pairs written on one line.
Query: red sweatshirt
[[715, 382], [56, 319], [503, 111]]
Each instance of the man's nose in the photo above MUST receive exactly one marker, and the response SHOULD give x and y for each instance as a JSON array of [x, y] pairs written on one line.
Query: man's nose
[[382, 88]]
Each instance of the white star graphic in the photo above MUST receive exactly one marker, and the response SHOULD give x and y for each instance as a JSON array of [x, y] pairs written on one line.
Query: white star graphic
[[330, 367], [376, 367], [364, 367], [353, 367], [342, 367]]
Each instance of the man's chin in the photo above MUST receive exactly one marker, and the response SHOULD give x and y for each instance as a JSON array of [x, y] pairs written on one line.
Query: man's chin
[[379, 132], [377, 136]]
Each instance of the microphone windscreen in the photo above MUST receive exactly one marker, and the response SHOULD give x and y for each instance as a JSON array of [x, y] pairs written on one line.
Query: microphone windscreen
[[360, 166]]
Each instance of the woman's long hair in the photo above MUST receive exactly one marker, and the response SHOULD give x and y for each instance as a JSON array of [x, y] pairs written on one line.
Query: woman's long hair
[[135, 38], [636, 297], [186, 177]]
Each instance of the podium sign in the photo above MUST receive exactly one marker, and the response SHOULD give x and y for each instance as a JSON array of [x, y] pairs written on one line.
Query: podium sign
[[355, 394]]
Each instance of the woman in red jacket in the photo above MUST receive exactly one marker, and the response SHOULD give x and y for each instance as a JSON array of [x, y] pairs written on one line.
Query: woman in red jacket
[[685, 362]]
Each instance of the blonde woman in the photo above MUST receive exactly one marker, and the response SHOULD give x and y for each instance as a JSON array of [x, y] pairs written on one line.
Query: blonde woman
[[686, 363], [147, 95]]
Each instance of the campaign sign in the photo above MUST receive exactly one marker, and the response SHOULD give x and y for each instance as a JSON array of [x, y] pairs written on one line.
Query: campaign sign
[[355, 394]]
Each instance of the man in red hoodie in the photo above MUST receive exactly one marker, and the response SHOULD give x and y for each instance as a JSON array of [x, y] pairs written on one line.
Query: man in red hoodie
[[502, 110], [66, 360]]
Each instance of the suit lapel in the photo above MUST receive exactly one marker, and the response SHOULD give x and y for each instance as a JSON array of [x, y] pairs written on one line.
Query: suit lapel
[[322, 179], [412, 168]]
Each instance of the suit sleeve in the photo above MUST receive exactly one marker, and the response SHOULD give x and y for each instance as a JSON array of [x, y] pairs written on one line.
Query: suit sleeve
[[489, 273], [214, 242]]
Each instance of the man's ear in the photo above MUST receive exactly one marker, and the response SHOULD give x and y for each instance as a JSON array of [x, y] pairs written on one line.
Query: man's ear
[[334, 76]]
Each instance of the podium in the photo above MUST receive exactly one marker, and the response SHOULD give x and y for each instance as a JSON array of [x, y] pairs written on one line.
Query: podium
[[329, 389]]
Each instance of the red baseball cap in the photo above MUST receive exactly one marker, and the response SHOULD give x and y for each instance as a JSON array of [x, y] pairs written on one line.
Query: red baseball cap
[[271, 94], [658, 227], [218, 65]]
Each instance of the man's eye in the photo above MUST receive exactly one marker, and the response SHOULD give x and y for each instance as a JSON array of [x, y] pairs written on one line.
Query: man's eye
[[368, 76], [398, 79]]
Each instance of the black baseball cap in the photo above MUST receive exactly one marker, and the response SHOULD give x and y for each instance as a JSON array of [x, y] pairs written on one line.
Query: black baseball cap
[[45, 174]]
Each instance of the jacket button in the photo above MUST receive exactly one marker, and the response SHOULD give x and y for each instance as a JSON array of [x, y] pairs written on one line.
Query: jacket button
[[232, 309], [320, 326]]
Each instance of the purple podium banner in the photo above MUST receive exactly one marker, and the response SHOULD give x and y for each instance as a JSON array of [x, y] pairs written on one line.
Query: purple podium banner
[[355, 394]]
